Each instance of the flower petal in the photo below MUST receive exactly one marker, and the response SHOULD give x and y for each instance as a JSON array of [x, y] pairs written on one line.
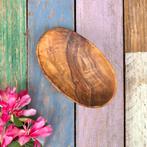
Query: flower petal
[[39, 123], [10, 134], [21, 132], [37, 143], [22, 93], [5, 116], [42, 132], [9, 96], [12, 100], [23, 140], [23, 101], [10, 90], [29, 112], [2, 123], [6, 141], [3, 104], [12, 131]]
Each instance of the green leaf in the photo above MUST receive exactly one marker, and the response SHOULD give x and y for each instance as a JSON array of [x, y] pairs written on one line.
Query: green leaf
[[29, 144], [23, 119], [14, 144], [8, 123], [17, 122]]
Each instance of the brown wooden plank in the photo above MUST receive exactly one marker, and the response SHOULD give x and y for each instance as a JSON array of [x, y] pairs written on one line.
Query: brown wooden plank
[[136, 72], [101, 22], [135, 25]]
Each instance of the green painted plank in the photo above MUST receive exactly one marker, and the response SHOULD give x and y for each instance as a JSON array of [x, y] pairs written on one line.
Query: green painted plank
[[59, 111], [13, 43]]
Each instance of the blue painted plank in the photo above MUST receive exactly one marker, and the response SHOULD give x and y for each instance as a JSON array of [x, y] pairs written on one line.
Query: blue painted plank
[[42, 15]]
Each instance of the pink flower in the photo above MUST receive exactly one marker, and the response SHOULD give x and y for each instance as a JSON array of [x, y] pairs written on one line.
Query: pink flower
[[11, 103], [5, 117], [2, 125], [7, 135], [34, 130]]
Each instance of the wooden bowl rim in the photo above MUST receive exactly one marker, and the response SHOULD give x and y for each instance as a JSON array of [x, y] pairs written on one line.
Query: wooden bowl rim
[[59, 90]]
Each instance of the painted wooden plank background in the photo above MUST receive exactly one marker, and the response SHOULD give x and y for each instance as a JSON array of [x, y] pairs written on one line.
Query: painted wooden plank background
[[136, 99], [42, 15], [135, 25], [102, 23], [13, 43], [136, 72]]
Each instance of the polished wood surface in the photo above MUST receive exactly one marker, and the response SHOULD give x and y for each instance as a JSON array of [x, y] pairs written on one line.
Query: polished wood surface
[[76, 67]]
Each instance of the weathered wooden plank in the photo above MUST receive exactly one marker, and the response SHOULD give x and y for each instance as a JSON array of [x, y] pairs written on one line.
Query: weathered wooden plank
[[136, 72], [43, 15], [101, 22], [13, 52], [135, 25], [136, 99]]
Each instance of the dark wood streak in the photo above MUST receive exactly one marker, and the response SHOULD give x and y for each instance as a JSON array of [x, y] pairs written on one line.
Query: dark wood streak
[[82, 89], [76, 67]]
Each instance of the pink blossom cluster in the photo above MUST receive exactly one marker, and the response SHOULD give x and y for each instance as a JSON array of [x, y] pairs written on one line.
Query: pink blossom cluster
[[15, 122]]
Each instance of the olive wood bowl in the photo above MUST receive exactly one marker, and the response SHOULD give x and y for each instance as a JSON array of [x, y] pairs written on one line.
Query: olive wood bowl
[[76, 67]]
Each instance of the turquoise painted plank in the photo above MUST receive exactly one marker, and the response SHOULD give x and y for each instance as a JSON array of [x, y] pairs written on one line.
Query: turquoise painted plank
[[42, 15], [13, 53]]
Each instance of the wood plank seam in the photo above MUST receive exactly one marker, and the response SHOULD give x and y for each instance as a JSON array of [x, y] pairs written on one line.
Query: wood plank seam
[[135, 27]]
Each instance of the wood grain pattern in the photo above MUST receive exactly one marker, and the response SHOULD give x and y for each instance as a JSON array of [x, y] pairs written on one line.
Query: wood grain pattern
[[13, 43], [101, 22], [43, 15], [136, 72], [135, 25], [76, 67], [136, 99]]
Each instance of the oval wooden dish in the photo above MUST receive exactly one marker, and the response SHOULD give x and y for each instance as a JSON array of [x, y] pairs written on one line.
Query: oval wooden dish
[[76, 67]]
